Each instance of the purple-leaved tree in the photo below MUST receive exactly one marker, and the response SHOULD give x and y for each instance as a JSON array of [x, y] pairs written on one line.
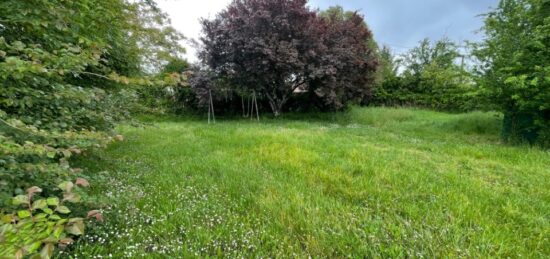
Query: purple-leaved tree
[[275, 47]]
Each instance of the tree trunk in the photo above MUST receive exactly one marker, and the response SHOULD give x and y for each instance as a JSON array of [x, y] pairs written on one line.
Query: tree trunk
[[276, 105], [277, 100]]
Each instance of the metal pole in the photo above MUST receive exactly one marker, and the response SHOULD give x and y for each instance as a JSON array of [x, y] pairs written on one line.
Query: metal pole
[[242, 103], [212, 105], [252, 107], [256, 102], [248, 104]]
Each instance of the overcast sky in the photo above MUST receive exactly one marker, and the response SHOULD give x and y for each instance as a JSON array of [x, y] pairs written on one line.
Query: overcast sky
[[397, 23]]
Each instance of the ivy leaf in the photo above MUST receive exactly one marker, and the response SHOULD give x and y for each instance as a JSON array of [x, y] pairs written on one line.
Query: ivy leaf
[[63, 210]]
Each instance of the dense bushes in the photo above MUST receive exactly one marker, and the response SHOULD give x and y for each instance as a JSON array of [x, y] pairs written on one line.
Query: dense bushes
[[431, 77], [69, 71], [515, 68], [512, 71]]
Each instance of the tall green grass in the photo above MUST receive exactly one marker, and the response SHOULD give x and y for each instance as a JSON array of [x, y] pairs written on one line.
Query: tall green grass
[[372, 182]]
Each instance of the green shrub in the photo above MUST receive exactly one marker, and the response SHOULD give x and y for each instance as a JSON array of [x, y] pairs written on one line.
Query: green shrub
[[69, 71], [515, 70], [39, 224], [431, 78]]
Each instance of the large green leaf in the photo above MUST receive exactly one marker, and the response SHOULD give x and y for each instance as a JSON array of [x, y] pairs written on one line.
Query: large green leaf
[[63, 210], [39, 204], [20, 199], [23, 214]]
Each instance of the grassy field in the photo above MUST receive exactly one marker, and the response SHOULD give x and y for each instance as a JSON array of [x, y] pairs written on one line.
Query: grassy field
[[373, 182]]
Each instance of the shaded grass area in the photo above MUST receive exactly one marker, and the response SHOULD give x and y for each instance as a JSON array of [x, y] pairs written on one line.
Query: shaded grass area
[[372, 182]]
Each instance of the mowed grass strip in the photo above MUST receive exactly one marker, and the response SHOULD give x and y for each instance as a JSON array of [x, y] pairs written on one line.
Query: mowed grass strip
[[372, 182]]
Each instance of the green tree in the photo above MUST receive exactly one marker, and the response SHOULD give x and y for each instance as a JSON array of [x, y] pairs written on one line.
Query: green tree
[[431, 76], [389, 65], [175, 65], [67, 74], [515, 67]]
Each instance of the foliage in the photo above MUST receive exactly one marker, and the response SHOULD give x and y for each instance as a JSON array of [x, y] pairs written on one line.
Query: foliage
[[349, 61], [430, 77], [156, 94], [515, 67], [275, 48], [37, 157], [389, 65], [166, 94], [176, 65], [43, 223], [69, 71], [156, 41]]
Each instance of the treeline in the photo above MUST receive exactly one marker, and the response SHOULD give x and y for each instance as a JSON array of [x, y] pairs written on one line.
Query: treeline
[[433, 75], [291, 58], [509, 72]]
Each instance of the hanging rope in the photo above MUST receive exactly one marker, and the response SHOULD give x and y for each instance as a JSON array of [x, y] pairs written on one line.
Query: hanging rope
[[249, 104], [256, 103], [242, 103]]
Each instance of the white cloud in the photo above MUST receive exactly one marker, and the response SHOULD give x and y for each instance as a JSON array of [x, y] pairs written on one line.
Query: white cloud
[[185, 17]]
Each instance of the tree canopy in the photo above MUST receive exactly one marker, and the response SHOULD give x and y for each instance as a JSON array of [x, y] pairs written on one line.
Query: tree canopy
[[431, 75], [515, 67], [276, 48]]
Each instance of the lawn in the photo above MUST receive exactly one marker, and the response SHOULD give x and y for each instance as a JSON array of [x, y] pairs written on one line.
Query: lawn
[[372, 182]]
